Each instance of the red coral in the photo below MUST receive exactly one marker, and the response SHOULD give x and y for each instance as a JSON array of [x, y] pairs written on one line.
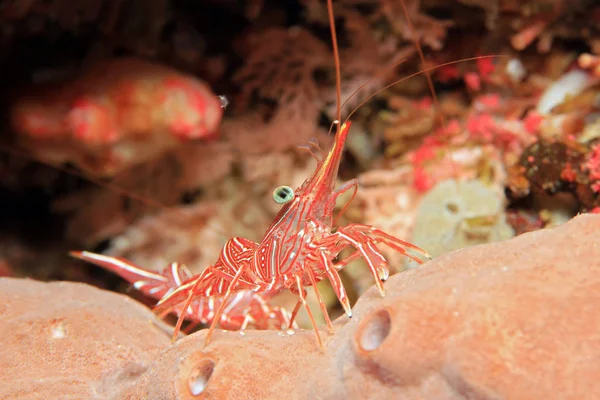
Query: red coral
[[507, 140], [92, 122], [485, 66], [39, 120], [184, 107], [448, 73], [473, 81], [453, 127], [280, 65], [568, 173], [592, 165], [422, 182], [424, 153], [481, 126], [532, 121], [490, 101]]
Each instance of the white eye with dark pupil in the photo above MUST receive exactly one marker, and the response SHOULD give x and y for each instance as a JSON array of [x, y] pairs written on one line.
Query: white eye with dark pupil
[[283, 194]]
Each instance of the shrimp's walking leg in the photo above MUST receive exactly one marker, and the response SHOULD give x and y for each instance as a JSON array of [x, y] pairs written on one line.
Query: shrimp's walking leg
[[190, 328], [185, 307], [313, 281], [302, 294], [376, 235], [376, 262], [364, 239], [336, 282], [295, 312], [223, 304], [261, 315]]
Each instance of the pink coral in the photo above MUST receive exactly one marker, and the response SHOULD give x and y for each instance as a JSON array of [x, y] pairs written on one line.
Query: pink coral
[[92, 122], [422, 182], [485, 66], [473, 81], [533, 121], [490, 101], [448, 73], [482, 127], [593, 163], [568, 173], [592, 166]]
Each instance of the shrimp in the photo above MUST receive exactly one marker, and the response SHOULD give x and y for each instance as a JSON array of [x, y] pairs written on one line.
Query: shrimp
[[300, 248]]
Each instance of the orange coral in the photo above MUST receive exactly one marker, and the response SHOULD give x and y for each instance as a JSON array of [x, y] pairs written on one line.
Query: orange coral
[[117, 114]]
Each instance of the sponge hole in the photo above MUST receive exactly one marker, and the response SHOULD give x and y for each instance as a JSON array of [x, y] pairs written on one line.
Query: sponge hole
[[375, 330], [200, 375]]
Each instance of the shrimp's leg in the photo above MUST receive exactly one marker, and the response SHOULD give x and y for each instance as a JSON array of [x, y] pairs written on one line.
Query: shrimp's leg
[[295, 313], [302, 294], [221, 308], [284, 317], [247, 320], [350, 185], [376, 262], [364, 239], [313, 281], [185, 307], [336, 282], [379, 236]]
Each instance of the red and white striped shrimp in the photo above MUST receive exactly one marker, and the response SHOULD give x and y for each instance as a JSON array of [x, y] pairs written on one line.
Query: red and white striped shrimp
[[299, 249]]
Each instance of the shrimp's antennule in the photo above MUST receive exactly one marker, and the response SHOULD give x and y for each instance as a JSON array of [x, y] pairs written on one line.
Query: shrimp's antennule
[[336, 58]]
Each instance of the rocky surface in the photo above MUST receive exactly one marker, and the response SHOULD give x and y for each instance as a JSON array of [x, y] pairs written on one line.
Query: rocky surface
[[512, 320]]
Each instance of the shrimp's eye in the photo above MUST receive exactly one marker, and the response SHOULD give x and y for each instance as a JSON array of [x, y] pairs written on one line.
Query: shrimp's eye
[[283, 194]]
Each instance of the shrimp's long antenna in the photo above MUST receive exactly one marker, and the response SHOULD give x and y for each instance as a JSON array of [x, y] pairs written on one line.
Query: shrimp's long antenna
[[368, 98], [413, 33], [88, 177], [336, 57], [99, 183]]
